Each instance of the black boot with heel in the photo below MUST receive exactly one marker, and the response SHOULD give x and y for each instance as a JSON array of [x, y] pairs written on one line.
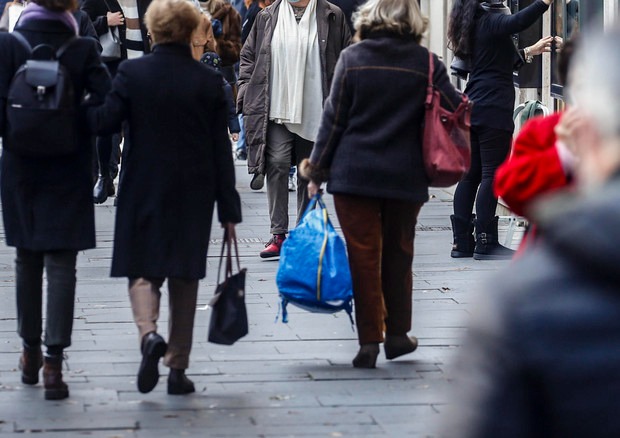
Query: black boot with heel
[[463, 236], [487, 243]]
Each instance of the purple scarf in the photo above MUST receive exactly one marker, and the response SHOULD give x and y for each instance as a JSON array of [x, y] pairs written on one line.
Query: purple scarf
[[35, 12]]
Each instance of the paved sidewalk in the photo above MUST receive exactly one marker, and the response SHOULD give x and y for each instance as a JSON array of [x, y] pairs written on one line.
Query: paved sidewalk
[[282, 380]]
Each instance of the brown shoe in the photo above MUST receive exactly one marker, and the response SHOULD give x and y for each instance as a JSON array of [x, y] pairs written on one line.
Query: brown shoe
[[55, 388], [366, 356], [30, 363], [399, 345]]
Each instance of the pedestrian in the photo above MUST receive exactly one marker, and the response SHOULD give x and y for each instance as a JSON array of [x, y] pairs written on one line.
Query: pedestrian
[[177, 166], [541, 353], [373, 165], [287, 65], [203, 40], [214, 61], [484, 38], [538, 164], [46, 202]]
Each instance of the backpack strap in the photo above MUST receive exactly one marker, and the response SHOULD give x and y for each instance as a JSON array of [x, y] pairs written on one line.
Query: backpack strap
[[22, 39], [62, 49]]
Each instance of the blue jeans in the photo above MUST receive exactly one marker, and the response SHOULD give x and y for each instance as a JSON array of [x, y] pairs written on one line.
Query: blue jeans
[[241, 146]]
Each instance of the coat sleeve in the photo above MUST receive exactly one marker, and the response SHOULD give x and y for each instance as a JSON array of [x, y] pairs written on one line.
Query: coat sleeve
[[500, 24], [248, 60], [226, 195], [333, 123], [12, 55], [450, 97], [233, 121], [534, 167], [100, 22], [106, 119]]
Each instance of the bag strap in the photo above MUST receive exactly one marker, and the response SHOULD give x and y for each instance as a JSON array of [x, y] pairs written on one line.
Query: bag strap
[[107, 6], [227, 243], [22, 39], [430, 87], [61, 50]]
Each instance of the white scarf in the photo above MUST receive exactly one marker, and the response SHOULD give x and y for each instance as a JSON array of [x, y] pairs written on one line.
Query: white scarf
[[296, 83]]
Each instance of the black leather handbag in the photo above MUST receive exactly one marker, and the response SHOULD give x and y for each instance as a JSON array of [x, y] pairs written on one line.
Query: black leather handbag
[[229, 317]]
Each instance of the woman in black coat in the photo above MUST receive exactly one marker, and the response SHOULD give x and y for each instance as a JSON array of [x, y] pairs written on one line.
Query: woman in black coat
[[484, 37], [47, 202], [177, 163], [372, 161]]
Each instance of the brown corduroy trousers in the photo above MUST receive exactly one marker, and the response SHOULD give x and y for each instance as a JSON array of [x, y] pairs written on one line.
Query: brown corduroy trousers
[[145, 294], [379, 235]]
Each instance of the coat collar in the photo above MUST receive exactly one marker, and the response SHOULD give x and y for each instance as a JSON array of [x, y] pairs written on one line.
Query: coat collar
[[173, 48]]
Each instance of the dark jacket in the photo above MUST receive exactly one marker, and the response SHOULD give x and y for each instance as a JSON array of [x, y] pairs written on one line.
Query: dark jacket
[[97, 10], [177, 162], [233, 120], [348, 8], [47, 204], [369, 142], [490, 83], [248, 20], [255, 69], [542, 356]]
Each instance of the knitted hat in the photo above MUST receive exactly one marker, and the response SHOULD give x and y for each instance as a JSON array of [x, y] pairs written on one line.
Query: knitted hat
[[212, 59]]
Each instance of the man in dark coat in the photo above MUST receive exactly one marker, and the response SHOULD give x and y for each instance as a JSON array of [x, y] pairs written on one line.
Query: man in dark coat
[[542, 355], [46, 203], [177, 164]]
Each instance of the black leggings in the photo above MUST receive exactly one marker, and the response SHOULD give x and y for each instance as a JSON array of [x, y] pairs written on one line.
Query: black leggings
[[489, 149]]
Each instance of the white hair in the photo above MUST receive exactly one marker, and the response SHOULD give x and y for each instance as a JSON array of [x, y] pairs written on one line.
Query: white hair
[[398, 16]]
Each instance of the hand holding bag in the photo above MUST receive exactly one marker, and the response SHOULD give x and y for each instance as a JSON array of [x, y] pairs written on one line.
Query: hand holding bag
[[229, 318], [446, 144], [110, 42]]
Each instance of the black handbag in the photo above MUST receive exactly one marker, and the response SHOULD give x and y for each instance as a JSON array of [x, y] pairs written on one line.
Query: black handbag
[[229, 317]]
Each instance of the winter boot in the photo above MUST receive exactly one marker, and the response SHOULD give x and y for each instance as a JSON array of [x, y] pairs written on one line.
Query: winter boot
[[55, 388], [487, 245], [178, 383], [463, 234], [30, 363]]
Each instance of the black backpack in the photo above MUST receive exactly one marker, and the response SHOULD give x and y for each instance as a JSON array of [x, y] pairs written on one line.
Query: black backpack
[[41, 109]]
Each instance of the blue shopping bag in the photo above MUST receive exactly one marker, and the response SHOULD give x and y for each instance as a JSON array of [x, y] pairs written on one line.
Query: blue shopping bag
[[314, 270]]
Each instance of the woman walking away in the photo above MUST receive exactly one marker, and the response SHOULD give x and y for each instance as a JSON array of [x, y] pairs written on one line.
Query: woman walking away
[[373, 165], [46, 201], [163, 224], [484, 37]]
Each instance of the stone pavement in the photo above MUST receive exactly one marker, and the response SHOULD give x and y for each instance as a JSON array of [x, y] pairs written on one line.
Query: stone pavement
[[282, 380]]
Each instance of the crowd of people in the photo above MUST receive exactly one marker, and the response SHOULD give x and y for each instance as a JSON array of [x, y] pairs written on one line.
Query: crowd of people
[[300, 83]]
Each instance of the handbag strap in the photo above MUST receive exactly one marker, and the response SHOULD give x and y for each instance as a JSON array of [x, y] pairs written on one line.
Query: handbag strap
[[431, 71], [229, 238], [107, 5]]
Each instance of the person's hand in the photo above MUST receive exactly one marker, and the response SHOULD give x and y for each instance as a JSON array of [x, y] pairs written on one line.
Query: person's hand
[[572, 130], [115, 18], [543, 45], [559, 43], [547, 2], [313, 189], [235, 137]]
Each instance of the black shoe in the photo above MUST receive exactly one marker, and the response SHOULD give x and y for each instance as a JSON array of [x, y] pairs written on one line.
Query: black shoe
[[258, 181], [487, 244], [110, 187], [463, 237], [153, 348], [367, 356], [178, 383], [396, 346], [101, 189], [242, 155]]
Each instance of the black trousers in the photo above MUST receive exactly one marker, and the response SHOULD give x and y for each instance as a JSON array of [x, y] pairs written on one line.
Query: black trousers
[[60, 269], [489, 149]]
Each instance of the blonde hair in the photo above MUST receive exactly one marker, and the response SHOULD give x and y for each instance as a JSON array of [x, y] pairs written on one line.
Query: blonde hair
[[402, 17], [171, 21]]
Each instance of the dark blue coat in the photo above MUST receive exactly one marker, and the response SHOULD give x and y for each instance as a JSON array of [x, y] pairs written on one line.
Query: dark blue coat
[[370, 139], [177, 163], [47, 204]]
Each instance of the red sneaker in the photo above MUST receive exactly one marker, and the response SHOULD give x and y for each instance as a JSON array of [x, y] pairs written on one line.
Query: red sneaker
[[272, 249]]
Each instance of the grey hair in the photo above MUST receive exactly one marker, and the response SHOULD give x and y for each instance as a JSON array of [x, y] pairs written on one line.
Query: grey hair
[[395, 16], [595, 81]]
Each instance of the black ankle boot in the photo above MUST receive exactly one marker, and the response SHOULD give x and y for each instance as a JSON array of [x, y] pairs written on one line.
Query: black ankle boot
[[178, 383], [367, 356], [399, 345], [463, 237], [487, 244], [101, 191]]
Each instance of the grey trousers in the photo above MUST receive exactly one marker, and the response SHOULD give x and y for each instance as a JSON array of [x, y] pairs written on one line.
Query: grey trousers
[[60, 270], [283, 149], [145, 295]]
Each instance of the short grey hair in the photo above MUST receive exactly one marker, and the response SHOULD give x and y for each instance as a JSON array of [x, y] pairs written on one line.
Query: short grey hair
[[595, 81], [395, 16]]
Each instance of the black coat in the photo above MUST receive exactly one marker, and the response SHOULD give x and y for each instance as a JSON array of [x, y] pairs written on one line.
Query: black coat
[[370, 139], [177, 162], [542, 354], [48, 204], [97, 10]]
